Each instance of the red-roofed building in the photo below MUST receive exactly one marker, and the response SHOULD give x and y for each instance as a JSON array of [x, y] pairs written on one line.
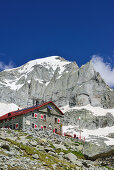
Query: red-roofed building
[[44, 116]]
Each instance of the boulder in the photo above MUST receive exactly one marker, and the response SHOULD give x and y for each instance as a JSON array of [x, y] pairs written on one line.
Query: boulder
[[5, 146], [71, 157], [35, 156], [33, 143], [59, 146]]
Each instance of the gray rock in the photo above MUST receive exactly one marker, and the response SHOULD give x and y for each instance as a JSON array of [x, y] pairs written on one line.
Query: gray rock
[[35, 156], [74, 86], [33, 143], [10, 154], [61, 153], [52, 153], [47, 149], [71, 157], [79, 163], [88, 120], [5, 146], [54, 166], [40, 148], [59, 146], [93, 151]]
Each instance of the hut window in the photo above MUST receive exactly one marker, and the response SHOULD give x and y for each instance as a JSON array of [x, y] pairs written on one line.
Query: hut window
[[9, 114], [10, 126], [16, 126], [32, 125], [44, 117], [13, 126], [34, 115], [55, 120], [58, 120], [55, 130], [35, 126]]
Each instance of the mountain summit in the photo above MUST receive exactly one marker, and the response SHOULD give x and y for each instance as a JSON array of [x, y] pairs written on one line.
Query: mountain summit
[[56, 79]]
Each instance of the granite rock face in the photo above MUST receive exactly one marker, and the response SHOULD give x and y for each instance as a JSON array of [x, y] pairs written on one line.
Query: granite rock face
[[55, 79], [88, 120]]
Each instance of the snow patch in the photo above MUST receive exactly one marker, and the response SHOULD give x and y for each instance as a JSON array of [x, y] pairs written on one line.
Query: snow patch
[[100, 132], [97, 111], [49, 62], [5, 108]]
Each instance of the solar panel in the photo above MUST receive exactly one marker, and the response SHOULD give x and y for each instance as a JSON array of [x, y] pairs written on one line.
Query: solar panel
[[27, 108], [49, 107]]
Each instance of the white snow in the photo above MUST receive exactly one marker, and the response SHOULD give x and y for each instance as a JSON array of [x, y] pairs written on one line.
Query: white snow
[[5, 108], [12, 84], [48, 62], [97, 111], [91, 135], [100, 132]]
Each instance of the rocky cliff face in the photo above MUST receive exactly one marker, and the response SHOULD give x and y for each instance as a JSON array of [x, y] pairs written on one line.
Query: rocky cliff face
[[56, 79]]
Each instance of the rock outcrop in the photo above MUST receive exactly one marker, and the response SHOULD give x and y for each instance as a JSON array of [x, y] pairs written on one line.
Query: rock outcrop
[[56, 79], [88, 119]]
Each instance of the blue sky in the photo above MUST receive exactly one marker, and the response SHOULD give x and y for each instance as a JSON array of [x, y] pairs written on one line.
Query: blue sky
[[73, 29]]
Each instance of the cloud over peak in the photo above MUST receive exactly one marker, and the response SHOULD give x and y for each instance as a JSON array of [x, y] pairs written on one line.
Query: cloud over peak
[[4, 66], [105, 70]]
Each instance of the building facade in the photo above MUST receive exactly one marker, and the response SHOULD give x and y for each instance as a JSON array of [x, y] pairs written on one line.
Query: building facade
[[45, 116]]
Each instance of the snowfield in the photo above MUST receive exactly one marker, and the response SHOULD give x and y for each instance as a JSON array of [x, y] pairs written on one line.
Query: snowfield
[[50, 63], [97, 111], [5, 108], [91, 135]]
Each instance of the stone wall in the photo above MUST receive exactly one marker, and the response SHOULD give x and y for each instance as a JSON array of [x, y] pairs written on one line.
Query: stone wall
[[49, 122], [27, 121], [12, 122]]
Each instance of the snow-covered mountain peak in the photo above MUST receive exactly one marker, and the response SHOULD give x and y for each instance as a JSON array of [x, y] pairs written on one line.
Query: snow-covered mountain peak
[[42, 70], [48, 62]]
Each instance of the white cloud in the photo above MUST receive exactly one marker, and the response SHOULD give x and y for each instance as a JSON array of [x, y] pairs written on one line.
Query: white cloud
[[4, 66], [105, 70]]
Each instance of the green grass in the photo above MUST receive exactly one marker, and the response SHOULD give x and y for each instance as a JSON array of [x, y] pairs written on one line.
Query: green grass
[[109, 168], [29, 137], [78, 154]]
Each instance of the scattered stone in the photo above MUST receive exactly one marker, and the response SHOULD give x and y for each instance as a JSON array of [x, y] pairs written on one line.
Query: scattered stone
[[52, 153], [33, 143], [78, 162], [15, 160], [47, 149], [60, 146], [61, 153], [5, 146], [85, 164], [71, 157], [35, 156], [40, 148]]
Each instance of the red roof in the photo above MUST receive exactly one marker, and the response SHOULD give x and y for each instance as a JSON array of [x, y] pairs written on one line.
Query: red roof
[[26, 110]]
